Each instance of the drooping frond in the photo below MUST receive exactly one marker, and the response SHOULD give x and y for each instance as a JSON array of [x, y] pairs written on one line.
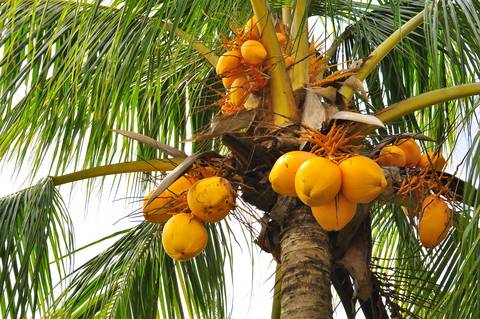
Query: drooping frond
[[431, 283], [135, 278], [35, 231], [71, 71]]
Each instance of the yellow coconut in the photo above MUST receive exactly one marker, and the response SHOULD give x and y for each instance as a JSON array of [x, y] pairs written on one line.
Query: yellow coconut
[[229, 61], [184, 237], [317, 181], [228, 81], [162, 207], [434, 221], [431, 160], [251, 28], [335, 214], [239, 91], [392, 156], [281, 38], [211, 199], [282, 175], [362, 179], [289, 61], [412, 151], [253, 52]]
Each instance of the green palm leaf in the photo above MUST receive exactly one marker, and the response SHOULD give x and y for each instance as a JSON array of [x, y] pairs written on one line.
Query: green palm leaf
[[135, 276], [34, 230]]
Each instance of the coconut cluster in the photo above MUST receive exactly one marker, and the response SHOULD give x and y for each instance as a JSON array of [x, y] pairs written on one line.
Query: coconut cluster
[[407, 153], [184, 207], [433, 212], [243, 67], [331, 190]]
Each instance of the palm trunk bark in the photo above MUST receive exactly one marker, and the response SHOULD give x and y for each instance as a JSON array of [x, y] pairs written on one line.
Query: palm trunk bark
[[306, 266]]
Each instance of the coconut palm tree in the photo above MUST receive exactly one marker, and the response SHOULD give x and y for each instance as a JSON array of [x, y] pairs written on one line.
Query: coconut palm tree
[[117, 87]]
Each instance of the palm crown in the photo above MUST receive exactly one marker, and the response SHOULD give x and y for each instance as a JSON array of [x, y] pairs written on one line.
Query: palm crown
[[83, 69]]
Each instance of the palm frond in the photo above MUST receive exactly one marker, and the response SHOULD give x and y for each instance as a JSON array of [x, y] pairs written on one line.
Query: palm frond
[[135, 276], [85, 69], [431, 283], [444, 51], [35, 229]]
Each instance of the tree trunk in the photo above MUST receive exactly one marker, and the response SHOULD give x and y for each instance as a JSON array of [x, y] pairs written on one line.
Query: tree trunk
[[306, 265]]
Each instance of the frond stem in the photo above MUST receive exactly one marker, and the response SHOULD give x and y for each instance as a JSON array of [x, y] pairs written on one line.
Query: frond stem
[[299, 33], [119, 168], [287, 16], [397, 110], [283, 102], [382, 50]]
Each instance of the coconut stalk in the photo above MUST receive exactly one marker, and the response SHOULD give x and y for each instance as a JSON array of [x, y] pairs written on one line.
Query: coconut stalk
[[283, 102], [299, 32], [306, 266], [382, 50], [410, 105], [287, 16], [120, 168]]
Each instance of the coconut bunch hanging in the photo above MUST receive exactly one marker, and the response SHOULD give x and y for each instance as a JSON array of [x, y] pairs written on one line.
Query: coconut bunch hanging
[[416, 190], [182, 209], [244, 65], [332, 178]]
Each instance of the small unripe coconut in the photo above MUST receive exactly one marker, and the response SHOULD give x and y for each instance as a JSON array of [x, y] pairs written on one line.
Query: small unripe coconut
[[362, 179], [251, 28], [282, 175], [239, 91], [289, 61], [434, 221], [411, 150], [184, 237], [431, 160], [281, 38], [253, 52], [160, 209], [211, 199], [229, 61], [335, 214], [317, 181], [392, 156], [228, 81]]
